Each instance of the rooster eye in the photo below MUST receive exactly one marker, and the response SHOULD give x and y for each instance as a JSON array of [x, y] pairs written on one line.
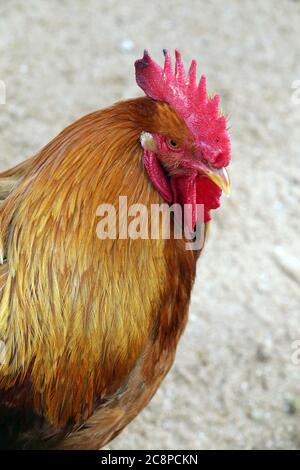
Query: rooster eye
[[173, 144]]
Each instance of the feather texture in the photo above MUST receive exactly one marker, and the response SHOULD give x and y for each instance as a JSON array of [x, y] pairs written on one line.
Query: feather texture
[[89, 325]]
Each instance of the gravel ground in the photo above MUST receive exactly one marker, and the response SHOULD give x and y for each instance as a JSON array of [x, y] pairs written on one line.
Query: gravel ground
[[235, 383]]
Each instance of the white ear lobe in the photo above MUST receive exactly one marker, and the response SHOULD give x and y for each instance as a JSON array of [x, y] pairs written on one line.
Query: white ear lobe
[[148, 142]]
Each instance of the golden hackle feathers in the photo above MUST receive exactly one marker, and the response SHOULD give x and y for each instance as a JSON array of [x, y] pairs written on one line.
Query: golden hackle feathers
[[77, 312]]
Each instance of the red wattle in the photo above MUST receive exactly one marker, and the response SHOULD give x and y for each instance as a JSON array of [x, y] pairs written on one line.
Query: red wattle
[[208, 194], [190, 189]]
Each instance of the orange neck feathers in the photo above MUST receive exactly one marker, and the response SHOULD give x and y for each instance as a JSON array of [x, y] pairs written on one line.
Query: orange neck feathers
[[75, 311]]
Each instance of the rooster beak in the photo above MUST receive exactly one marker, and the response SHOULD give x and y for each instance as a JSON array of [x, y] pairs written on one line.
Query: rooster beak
[[220, 177], [148, 142]]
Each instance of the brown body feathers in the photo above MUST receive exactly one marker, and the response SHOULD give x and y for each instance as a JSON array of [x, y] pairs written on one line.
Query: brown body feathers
[[90, 326]]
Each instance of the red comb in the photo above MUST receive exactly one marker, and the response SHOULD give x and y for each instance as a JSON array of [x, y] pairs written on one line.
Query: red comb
[[180, 90]]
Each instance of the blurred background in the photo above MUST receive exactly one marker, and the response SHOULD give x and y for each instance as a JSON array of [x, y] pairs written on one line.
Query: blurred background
[[236, 380]]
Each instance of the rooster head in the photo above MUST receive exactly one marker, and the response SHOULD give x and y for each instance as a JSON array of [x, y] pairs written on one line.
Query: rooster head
[[187, 152]]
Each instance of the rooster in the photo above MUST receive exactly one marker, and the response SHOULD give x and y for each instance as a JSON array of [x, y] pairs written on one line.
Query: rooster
[[89, 326]]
